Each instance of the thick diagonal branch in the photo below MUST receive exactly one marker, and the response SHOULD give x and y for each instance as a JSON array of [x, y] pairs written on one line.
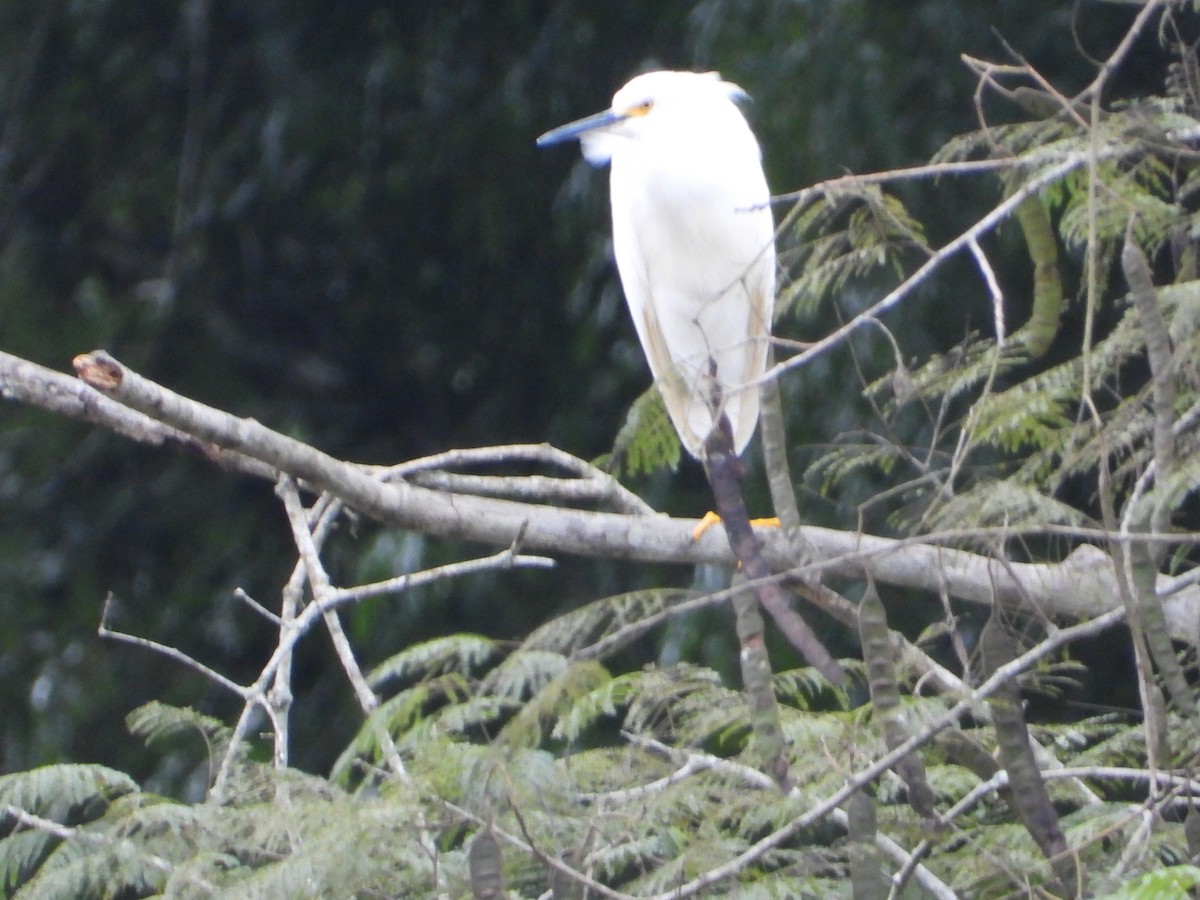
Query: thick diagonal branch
[[723, 469]]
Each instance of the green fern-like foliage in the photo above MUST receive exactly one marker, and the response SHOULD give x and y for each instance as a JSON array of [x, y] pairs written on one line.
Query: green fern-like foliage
[[59, 791], [647, 440], [554, 773], [158, 721], [1028, 427], [463, 653], [1172, 881], [843, 238]]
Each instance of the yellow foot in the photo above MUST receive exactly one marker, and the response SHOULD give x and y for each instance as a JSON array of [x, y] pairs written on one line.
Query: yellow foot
[[711, 518]]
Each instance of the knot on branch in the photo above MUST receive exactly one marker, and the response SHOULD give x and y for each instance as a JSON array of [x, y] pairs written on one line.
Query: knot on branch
[[99, 370]]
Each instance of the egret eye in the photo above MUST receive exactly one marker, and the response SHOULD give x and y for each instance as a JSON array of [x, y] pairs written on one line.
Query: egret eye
[[642, 108]]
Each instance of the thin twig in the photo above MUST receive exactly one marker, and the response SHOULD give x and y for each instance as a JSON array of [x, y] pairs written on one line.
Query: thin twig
[[911, 173], [68, 833], [38, 823], [993, 285], [322, 590], [240, 594], [693, 764], [524, 846], [591, 483], [1094, 90], [503, 559], [998, 214], [170, 652]]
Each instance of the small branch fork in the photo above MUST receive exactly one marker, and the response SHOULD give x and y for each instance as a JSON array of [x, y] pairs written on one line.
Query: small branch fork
[[28, 820], [270, 692], [588, 484]]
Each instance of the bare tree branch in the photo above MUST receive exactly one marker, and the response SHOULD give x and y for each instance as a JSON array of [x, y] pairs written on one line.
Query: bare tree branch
[[589, 483], [1082, 585]]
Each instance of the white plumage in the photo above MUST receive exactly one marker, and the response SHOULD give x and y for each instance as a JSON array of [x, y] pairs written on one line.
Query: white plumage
[[694, 242]]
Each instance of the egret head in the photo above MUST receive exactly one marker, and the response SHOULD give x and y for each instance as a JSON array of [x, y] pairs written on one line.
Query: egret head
[[648, 103]]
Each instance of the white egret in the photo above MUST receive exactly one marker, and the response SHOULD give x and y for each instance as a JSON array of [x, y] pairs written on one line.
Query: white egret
[[694, 240]]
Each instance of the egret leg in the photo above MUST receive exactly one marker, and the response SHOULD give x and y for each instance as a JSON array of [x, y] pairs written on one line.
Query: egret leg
[[724, 476], [707, 521]]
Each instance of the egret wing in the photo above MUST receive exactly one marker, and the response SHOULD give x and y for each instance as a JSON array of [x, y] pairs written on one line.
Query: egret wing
[[704, 344]]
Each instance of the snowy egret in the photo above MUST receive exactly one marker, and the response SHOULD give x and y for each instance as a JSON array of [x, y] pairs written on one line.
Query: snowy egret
[[694, 242]]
